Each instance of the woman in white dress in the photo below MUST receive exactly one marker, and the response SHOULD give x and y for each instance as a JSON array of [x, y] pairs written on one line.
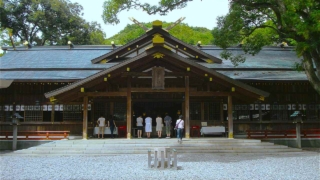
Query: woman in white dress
[[159, 126], [148, 126]]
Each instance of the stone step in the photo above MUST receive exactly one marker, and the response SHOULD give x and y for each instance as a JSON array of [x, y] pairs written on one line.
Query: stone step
[[152, 141], [152, 145], [144, 151], [141, 146], [147, 146]]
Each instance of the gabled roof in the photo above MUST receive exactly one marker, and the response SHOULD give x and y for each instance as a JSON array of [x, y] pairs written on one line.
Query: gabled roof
[[145, 40], [150, 53], [59, 63]]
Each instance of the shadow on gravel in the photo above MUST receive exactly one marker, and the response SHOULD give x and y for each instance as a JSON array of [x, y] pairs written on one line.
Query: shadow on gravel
[[5, 152], [232, 157]]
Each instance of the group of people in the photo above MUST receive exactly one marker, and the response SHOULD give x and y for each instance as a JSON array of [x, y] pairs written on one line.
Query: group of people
[[159, 125], [148, 126], [102, 124]]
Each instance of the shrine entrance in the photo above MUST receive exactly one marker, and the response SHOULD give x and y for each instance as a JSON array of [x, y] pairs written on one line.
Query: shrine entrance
[[153, 109]]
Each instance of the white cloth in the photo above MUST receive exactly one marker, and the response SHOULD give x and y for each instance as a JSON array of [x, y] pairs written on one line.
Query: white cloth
[[102, 121], [159, 124], [148, 127], [180, 124]]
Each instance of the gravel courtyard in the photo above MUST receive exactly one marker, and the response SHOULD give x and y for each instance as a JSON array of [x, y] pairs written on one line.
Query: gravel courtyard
[[298, 165]]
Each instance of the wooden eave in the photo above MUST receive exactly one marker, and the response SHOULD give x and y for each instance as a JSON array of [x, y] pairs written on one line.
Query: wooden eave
[[120, 51], [147, 57], [143, 40]]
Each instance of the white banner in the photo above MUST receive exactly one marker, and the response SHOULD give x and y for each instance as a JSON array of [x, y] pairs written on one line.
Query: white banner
[[225, 107], [267, 106], [61, 107], [56, 107]]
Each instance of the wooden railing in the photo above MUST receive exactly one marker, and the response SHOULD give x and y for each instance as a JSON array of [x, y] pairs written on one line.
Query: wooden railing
[[269, 134], [35, 135]]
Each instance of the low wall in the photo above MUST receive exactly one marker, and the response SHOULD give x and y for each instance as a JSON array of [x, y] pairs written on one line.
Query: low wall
[[305, 142], [21, 144]]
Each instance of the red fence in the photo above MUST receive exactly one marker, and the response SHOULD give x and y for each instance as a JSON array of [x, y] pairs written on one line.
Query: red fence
[[269, 134], [35, 135]]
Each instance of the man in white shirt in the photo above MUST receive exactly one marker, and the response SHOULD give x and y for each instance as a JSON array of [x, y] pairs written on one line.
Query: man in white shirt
[[102, 123]]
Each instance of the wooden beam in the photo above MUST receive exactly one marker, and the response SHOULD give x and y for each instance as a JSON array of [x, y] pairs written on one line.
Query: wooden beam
[[230, 118], [129, 107], [205, 93], [103, 94], [187, 107], [52, 112], [146, 74], [85, 118], [149, 90], [202, 111]]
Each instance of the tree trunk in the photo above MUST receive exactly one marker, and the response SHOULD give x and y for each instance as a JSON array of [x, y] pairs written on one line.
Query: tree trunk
[[312, 75]]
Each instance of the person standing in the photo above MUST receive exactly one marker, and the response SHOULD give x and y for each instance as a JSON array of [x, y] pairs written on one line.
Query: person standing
[[159, 126], [112, 125], [139, 126], [102, 123], [180, 127], [168, 121], [148, 127]]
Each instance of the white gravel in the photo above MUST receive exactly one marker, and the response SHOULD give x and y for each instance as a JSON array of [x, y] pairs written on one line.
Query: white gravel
[[298, 165]]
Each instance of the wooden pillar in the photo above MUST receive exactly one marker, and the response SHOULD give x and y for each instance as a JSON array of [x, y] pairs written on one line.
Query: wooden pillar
[[14, 128], [202, 111], [111, 108], [298, 134], [186, 107], [230, 118], [52, 112], [129, 107], [260, 115], [85, 118], [221, 112]]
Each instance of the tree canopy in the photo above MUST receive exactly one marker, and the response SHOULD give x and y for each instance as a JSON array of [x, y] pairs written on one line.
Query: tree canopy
[[113, 7], [43, 22], [253, 24], [188, 34], [285, 21]]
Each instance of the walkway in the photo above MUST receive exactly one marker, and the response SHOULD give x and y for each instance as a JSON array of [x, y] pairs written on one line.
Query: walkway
[[297, 165]]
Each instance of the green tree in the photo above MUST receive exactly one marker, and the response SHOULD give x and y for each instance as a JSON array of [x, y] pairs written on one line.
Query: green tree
[[190, 35], [254, 23], [293, 21], [85, 34], [43, 22], [113, 7]]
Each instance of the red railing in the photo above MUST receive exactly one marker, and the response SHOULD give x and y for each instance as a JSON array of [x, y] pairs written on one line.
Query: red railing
[[269, 134], [35, 135]]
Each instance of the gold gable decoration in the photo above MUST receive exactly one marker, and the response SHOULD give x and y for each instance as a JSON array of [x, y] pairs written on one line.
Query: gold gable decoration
[[158, 39], [157, 23], [261, 98], [209, 61], [52, 99], [158, 55], [103, 61]]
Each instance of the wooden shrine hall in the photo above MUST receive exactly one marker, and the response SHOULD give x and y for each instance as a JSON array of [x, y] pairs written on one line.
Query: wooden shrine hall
[[67, 88], [159, 66]]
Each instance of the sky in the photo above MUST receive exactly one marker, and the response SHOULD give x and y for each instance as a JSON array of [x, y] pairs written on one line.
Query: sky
[[198, 13]]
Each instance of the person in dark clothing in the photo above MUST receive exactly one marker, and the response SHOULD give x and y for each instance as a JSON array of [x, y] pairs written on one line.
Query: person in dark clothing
[[112, 125]]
